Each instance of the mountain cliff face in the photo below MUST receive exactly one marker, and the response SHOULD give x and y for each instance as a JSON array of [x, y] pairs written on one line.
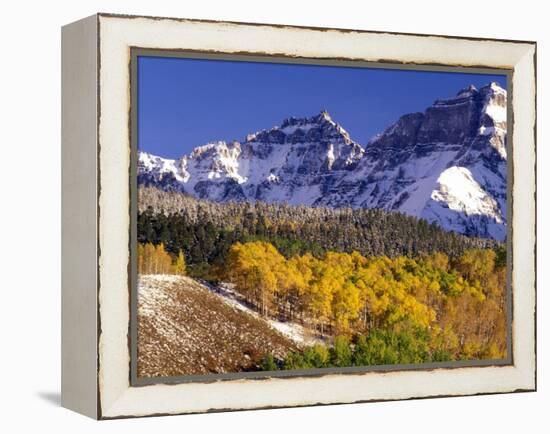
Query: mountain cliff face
[[446, 165]]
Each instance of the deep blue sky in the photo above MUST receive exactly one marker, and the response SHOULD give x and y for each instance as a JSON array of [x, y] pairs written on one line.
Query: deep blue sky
[[184, 103]]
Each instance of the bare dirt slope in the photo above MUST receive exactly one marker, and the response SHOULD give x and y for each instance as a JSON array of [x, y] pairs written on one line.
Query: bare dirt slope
[[186, 329]]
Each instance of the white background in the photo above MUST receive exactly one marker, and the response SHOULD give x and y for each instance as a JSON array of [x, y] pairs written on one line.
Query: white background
[[30, 217]]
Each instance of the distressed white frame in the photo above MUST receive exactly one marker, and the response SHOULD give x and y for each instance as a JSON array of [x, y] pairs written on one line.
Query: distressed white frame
[[115, 397]]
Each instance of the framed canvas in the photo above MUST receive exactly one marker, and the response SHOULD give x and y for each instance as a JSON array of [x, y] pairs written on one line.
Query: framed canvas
[[262, 216]]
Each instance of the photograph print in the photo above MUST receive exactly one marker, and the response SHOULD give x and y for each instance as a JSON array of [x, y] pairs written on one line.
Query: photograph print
[[296, 217]]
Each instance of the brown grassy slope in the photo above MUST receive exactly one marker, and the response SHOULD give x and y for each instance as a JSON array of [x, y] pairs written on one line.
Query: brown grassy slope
[[185, 329]]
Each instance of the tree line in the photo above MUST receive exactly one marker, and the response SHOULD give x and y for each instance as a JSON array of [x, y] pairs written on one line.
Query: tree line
[[205, 230]]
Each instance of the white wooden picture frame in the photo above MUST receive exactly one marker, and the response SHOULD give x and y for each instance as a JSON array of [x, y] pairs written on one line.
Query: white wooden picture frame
[[96, 163]]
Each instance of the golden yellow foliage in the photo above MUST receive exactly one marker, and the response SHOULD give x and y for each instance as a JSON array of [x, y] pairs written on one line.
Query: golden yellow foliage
[[154, 259], [461, 302]]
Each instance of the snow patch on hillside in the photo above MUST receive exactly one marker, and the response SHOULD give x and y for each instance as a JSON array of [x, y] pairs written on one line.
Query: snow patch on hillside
[[291, 330]]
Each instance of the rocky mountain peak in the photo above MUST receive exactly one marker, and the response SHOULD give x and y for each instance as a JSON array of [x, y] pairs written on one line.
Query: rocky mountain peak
[[495, 87], [294, 130], [322, 118], [467, 91], [493, 92]]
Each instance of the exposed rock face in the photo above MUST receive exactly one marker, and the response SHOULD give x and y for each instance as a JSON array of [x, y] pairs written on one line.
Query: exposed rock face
[[446, 165]]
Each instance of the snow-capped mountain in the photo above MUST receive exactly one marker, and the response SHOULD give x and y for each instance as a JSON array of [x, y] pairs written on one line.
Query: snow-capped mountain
[[447, 165]]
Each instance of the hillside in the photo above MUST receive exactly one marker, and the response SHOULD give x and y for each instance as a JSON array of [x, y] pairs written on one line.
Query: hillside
[[185, 328], [267, 312]]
